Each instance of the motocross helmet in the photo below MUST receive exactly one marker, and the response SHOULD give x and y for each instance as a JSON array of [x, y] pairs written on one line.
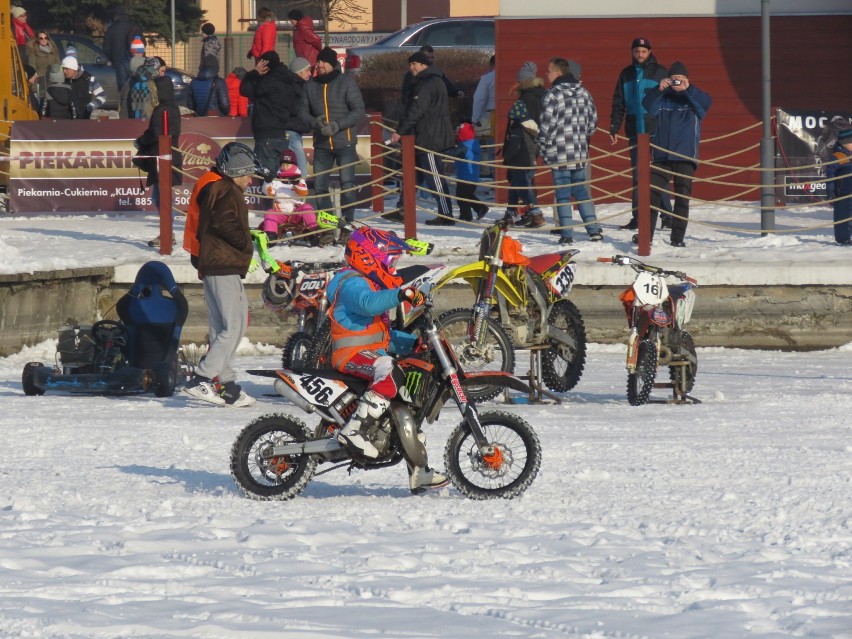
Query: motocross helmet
[[374, 254], [277, 293]]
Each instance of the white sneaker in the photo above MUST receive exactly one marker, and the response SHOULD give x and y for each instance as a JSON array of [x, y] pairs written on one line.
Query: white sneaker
[[422, 479], [202, 388], [235, 396]]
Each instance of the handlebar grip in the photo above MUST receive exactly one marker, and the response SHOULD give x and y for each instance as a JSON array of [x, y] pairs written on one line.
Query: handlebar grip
[[607, 260]]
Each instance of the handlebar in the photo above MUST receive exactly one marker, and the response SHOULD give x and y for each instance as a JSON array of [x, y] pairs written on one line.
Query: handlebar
[[637, 265]]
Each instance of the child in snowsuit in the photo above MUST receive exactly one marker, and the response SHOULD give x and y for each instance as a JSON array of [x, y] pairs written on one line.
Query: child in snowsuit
[[467, 173], [288, 210]]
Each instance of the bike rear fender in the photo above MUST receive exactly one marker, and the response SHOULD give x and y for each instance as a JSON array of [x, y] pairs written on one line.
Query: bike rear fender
[[501, 379], [475, 272]]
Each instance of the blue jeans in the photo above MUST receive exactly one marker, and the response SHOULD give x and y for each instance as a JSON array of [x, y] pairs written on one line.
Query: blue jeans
[[294, 141], [268, 152], [324, 160], [566, 185]]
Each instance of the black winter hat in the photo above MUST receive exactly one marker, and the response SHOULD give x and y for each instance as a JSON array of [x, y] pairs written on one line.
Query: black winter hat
[[420, 57], [328, 55], [678, 68], [641, 42], [272, 58], [295, 14]]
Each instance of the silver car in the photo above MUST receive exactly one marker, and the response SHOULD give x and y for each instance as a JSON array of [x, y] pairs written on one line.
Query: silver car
[[440, 33]]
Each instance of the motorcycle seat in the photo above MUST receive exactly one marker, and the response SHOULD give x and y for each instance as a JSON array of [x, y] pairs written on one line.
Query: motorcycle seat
[[543, 263]]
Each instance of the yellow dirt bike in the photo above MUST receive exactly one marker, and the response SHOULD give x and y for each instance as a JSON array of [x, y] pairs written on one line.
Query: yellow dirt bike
[[527, 296]]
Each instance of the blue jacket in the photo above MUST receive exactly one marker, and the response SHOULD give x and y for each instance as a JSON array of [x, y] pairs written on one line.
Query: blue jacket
[[679, 115], [841, 187], [468, 168], [199, 90], [358, 304], [630, 88]]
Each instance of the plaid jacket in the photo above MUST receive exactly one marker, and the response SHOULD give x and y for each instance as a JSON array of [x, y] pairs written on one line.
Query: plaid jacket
[[568, 118]]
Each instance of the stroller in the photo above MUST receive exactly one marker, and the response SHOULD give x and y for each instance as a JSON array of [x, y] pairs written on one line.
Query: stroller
[[138, 353]]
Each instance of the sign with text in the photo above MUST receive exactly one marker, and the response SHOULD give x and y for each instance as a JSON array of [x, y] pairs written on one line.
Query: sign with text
[[85, 166]]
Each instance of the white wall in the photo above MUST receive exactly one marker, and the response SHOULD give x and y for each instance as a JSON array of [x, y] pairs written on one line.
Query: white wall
[[655, 8]]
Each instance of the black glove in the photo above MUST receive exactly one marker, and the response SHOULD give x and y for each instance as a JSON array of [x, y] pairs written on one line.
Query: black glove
[[330, 129], [412, 296], [248, 55]]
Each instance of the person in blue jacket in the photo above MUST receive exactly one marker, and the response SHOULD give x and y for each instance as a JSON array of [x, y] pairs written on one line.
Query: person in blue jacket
[[362, 339], [643, 73], [679, 107], [839, 186], [208, 93], [467, 173]]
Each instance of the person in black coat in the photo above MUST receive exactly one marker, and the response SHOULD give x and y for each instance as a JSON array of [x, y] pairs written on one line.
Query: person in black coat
[[427, 116], [116, 44], [165, 120], [275, 92]]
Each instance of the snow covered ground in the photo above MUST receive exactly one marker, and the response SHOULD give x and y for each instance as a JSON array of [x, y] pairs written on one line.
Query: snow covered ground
[[727, 519]]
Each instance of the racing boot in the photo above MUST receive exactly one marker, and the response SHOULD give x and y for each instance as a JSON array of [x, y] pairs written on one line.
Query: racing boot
[[421, 479], [353, 436]]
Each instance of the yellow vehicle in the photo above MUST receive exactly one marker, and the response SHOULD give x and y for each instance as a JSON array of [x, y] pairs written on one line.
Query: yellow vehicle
[[14, 88]]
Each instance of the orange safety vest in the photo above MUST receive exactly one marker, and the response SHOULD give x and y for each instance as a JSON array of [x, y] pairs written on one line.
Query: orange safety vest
[[190, 241], [345, 342]]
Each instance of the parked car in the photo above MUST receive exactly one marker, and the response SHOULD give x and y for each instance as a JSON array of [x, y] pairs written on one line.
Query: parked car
[[440, 33], [462, 48], [95, 61]]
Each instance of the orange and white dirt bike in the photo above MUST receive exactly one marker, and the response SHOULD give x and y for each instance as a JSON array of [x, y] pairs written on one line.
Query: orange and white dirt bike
[[299, 287], [656, 314], [489, 454]]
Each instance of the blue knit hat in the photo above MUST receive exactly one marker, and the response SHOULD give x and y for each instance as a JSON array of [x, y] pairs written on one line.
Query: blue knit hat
[[844, 136]]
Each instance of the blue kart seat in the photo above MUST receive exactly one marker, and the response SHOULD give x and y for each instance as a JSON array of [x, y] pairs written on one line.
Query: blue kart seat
[[154, 312]]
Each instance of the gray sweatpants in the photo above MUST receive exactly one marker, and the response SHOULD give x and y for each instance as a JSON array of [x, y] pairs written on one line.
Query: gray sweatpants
[[227, 316]]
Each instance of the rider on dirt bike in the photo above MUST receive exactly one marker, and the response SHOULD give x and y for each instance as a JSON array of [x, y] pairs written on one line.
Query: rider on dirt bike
[[362, 338]]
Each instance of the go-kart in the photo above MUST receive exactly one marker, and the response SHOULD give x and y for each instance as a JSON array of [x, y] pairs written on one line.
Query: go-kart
[[138, 353]]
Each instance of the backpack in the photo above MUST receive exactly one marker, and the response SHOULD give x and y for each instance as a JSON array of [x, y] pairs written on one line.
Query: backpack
[[828, 137], [140, 94]]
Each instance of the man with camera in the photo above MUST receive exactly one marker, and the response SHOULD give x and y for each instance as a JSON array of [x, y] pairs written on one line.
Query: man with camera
[[679, 107]]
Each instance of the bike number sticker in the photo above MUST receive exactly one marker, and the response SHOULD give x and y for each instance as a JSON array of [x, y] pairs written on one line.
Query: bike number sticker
[[564, 279], [319, 390], [311, 284], [650, 289]]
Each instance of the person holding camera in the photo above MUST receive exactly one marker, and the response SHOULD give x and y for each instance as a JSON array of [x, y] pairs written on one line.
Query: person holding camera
[[679, 107]]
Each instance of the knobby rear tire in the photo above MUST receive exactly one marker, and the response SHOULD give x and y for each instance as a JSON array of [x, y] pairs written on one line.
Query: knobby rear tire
[[266, 479]]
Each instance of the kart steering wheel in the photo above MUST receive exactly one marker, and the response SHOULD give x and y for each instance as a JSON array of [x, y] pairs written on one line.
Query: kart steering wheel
[[104, 331]]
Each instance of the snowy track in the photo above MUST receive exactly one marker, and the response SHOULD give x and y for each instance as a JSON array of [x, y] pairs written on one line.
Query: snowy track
[[728, 519]]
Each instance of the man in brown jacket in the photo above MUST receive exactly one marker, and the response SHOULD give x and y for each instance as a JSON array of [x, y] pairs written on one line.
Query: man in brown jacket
[[225, 251]]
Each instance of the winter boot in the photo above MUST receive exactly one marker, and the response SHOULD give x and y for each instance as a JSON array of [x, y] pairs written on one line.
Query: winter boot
[[422, 479], [354, 435]]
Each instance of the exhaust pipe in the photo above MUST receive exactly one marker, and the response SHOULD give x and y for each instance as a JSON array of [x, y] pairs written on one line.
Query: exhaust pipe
[[284, 389]]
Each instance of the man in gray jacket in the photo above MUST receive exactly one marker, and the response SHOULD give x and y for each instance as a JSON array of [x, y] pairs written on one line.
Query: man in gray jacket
[[332, 106]]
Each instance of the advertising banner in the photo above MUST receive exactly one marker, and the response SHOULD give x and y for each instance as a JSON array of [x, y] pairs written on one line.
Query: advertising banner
[[799, 142], [85, 166]]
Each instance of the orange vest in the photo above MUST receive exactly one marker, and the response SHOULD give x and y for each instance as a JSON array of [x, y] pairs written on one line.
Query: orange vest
[[345, 342], [190, 241]]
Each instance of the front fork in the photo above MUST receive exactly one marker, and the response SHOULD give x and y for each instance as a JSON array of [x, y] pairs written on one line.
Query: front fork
[[638, 332], [482, 307], [467, 409]]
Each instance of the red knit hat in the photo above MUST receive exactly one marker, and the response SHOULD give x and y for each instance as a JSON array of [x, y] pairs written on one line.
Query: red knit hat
[[466, 131]]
